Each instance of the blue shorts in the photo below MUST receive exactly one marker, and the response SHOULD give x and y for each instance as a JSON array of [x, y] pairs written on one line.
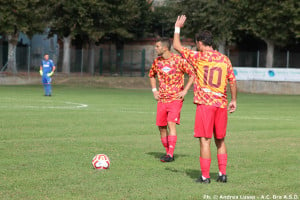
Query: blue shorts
[[46, 80]]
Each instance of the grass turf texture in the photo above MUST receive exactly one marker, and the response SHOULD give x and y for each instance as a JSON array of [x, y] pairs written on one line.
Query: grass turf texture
[[47, 145]]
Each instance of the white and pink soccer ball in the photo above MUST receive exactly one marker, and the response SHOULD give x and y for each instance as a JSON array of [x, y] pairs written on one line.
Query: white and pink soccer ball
[[101, 161]]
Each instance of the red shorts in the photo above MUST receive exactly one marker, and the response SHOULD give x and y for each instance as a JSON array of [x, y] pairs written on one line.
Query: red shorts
[[209, 120], [168, 112]]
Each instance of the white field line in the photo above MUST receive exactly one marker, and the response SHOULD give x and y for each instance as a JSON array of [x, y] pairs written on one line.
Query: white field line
[[124, 109], [67, 105], [72, 105]]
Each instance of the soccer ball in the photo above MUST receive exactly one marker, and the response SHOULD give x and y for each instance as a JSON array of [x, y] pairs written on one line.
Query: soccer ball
[[101, 161]]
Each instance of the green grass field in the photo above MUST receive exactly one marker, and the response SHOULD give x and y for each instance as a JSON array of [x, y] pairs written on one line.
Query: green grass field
[[47, 145]]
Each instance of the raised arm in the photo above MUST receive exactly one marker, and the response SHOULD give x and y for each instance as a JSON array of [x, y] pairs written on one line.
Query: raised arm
[[179, 24]]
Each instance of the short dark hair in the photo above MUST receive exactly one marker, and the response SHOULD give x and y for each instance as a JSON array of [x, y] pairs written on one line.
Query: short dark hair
[[205, 37], [165, 42]]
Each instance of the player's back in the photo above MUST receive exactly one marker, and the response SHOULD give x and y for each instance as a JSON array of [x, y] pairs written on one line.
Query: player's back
[[213, 70]]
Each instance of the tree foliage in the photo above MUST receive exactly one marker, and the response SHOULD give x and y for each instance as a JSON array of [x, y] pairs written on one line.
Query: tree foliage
[[272, 20], [84, 18], [128, 19], [18, 16], [22, 16], [93, 19], [163, 20], [212, 15]]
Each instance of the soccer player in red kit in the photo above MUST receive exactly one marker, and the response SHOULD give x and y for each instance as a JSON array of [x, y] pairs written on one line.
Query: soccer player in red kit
[[170, 69], [213, 71]]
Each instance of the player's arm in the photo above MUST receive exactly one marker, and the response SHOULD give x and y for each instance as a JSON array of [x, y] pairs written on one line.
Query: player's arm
[[187, 54], [179, 24], [41, 70], [188, 69], [153, 86], [233, 87], [233, 90], [190, 82], [52, 72], [152, 75]]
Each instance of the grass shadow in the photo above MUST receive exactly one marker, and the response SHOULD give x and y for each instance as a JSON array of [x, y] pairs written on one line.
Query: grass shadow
[[194, 174], [156, 154], [160, 154]]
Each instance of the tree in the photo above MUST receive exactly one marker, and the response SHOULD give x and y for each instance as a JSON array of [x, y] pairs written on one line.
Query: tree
[[141, 26], [20, 16], [212, 15], [273, 21], [128, 19], [163, 19], [84, 19]]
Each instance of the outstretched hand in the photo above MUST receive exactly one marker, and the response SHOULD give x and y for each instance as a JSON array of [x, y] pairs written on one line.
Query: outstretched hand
[[180, 21]]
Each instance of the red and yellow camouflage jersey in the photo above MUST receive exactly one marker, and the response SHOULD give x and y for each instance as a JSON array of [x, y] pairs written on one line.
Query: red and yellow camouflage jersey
[[213, 70], [170, 73]]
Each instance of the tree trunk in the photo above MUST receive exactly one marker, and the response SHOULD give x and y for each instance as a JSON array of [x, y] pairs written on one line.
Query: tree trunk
[[91, 58], [270, 54], [12, 51], [1, 53], [119, 56], [66, 55], [221, 47]]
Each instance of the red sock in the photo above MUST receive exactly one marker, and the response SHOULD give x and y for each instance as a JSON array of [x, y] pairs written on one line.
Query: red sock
[[172, 143], [164, 141], [205, 166], [222, 162]]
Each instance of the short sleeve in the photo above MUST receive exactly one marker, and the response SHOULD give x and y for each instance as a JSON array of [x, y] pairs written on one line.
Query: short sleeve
[[52, 63], [190, 56], [187, 68], [230, 72], [153, 71]]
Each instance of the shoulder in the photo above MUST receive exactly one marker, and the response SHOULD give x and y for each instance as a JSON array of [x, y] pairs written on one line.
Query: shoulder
[[225, 58], [221, 54], [176, 56], [185, 49], [158, 58]]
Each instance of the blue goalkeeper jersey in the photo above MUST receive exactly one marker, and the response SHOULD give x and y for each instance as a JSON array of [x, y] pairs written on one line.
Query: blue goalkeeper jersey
[[47, 66]]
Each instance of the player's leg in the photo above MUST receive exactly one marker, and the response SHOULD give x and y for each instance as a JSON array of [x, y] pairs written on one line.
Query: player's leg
[[49, 87], [222, 159], [220, 133], [204, 123], [164, 137], [161, 122], [172, 138], [205, 159], [44, 82], [173, 109]]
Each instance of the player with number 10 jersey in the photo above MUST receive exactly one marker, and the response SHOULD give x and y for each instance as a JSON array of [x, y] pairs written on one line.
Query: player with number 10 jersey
[[213, 71]]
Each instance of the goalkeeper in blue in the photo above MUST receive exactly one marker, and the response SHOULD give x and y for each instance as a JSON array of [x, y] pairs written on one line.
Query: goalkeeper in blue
[[47, 69]]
